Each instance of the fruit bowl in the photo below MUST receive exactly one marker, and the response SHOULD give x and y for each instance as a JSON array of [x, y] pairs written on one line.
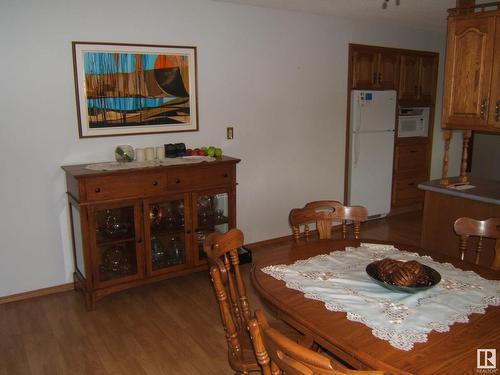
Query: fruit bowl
[[433, 276]]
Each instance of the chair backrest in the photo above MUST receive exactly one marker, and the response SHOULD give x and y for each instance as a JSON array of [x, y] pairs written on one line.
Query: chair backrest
[[222, 252], [324, 214], [466, 227], [277, 354]]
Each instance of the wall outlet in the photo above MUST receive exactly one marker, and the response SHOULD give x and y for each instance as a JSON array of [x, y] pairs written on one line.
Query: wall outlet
[[230, 132]]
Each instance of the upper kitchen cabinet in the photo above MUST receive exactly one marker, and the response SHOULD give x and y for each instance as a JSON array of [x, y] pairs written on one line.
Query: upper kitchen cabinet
[[417, 81], [472, 93], [373, 68]]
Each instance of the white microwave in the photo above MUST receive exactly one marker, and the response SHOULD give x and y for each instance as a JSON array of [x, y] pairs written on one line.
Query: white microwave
[[413, 122]]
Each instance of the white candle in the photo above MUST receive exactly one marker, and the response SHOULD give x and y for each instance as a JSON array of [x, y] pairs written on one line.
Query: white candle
[[140, 154], [160, 152], [150, 153]]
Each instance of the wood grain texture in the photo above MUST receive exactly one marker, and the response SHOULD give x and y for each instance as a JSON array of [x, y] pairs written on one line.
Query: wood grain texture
[[469, 71], [324, 214], [168, 328], [466, 227], [278, 354], [91, 192], [440, 212], [444, 353]]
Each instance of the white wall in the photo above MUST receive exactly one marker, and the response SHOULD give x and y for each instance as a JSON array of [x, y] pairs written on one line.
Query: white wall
[[278, 77]]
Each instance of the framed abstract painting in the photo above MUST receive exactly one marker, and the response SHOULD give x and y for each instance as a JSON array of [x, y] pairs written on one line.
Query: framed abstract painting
[[124, 89]]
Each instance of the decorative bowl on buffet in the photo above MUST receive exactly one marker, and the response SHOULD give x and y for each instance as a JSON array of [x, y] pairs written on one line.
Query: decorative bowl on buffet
[[407, 276]]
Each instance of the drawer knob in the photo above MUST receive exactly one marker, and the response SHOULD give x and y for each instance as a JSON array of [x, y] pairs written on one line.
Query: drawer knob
[[97, 189], [188, 232], [226, 175], [178, 181], [155, 183], [411, 184]]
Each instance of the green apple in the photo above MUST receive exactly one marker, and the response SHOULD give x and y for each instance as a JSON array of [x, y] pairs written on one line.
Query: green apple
[[211, 151], [218, 152]]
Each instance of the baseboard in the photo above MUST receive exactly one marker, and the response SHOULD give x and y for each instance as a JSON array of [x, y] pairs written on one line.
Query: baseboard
[[37, 293], [405, 209], [270, 241]]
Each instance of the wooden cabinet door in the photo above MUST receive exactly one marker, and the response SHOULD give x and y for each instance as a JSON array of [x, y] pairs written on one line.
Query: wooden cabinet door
[[167, 233], [427, 79], [469, 59], [213, 211], [409, 78], [388, 71], [494, 110], [116, 242], [364, 69]]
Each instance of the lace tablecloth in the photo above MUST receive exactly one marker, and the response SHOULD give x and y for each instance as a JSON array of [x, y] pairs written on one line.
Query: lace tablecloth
[[340, 281], [116, 166]]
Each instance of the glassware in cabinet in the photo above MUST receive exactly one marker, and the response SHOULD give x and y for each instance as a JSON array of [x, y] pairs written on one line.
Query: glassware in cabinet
[[165, 234], [211, 215], [117, 242]]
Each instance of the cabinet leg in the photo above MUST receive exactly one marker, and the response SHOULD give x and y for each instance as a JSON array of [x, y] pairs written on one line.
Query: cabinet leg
[[447, 134], [465, 146], [89, 301]]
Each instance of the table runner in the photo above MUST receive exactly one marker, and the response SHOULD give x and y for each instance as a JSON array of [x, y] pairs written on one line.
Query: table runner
[[339, 280], [115, 166]]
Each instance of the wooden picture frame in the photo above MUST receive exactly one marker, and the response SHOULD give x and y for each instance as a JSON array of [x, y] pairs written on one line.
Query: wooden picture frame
[[126, 89]]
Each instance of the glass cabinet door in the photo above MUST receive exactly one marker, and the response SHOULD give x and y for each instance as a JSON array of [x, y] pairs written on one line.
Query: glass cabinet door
[[117, 236], [166, 234], [211, 214]]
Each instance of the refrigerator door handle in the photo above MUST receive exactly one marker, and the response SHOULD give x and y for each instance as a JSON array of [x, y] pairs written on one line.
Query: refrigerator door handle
[[356, 148], [357, 125]]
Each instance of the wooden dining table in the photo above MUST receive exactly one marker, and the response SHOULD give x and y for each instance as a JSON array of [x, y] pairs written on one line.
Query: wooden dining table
[[453, 352]]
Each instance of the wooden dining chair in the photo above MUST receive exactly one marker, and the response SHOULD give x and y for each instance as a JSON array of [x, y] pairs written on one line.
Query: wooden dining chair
[[222, 253], [277, 354], [467, 227], [324, 214]]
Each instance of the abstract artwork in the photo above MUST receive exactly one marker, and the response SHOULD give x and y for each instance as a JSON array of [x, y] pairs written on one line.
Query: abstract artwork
[[126, 89]]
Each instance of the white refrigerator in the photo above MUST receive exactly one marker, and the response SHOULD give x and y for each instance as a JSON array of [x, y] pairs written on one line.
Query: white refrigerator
[[371, 139]]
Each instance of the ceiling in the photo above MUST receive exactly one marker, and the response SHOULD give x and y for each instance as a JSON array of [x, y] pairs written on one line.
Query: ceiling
[[418, 14]]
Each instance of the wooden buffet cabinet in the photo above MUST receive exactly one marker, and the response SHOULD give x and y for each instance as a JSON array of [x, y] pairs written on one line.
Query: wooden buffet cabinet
[[413, 74], [136, 226]]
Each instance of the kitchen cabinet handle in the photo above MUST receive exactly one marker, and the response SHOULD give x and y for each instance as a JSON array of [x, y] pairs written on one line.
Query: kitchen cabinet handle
[[497, 110], [97, 189], [188, 231], [226, 175], [484, 108], [178, 181], [411, 184], [155, 183]]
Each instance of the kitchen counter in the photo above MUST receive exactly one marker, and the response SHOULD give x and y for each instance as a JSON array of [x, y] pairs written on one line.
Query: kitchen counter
[[487, 191], [443, 205]]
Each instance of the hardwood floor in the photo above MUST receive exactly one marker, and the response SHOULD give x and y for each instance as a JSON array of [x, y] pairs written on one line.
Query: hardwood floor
[[172, 327]]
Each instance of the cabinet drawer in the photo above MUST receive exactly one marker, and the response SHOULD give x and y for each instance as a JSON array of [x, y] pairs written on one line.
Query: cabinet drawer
[[110, 187], [200, 178], [406, 191], [411, 157]]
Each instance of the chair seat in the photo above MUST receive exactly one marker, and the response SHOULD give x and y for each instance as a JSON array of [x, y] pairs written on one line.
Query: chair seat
[[247, 362]]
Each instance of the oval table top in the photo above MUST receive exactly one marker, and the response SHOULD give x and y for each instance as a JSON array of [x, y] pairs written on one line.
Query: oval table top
[[452, 352]]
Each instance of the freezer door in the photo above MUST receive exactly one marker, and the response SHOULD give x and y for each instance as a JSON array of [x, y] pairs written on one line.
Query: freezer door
[[373, 110], [370, 172]]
